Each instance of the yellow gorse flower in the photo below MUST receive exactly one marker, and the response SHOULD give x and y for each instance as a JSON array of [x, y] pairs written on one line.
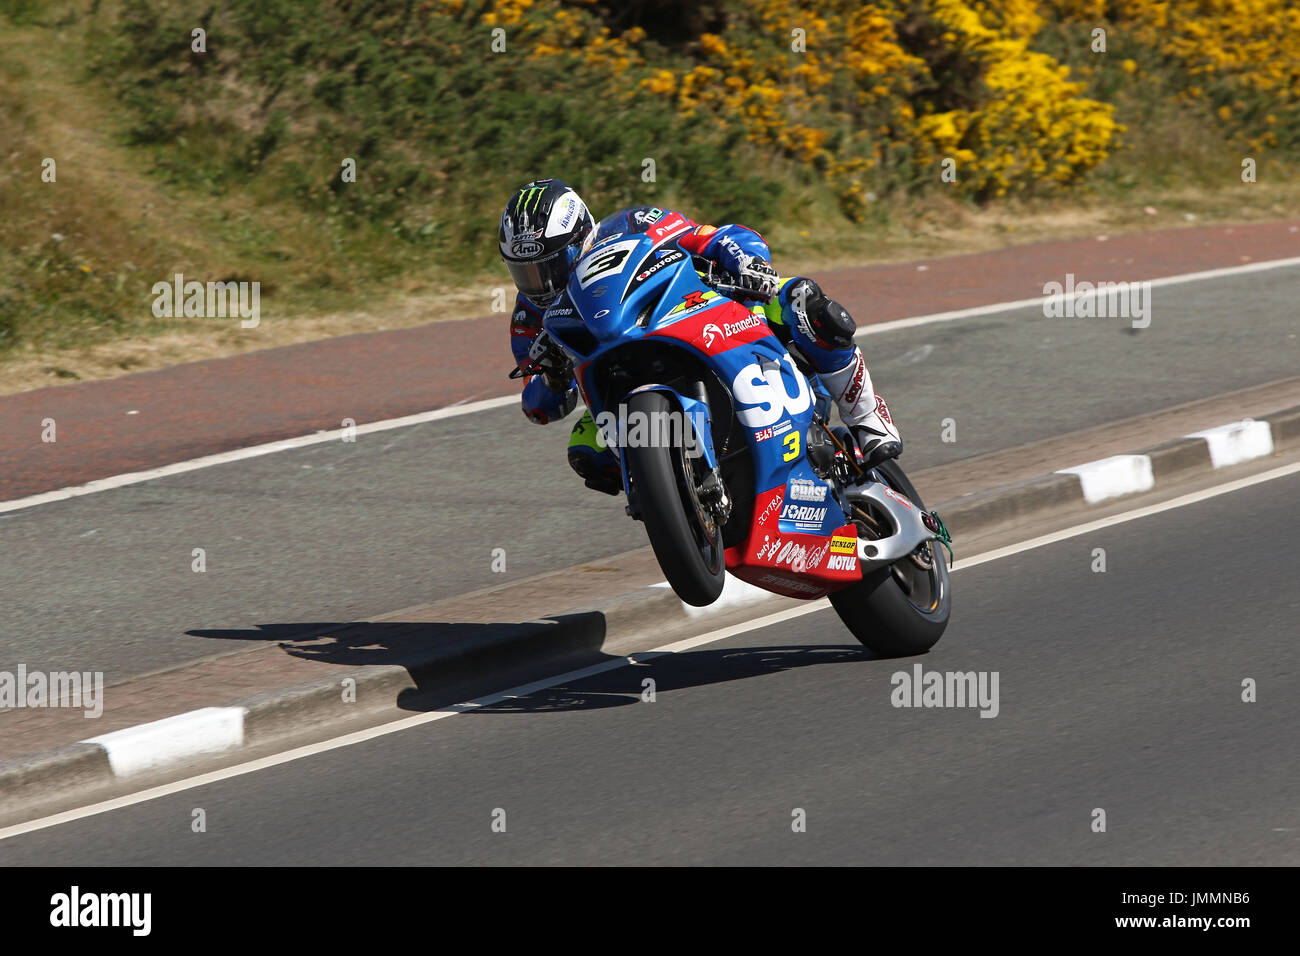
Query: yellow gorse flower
[[858, 92]]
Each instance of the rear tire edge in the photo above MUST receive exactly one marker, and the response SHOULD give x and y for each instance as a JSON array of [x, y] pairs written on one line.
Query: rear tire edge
[[878, 613]]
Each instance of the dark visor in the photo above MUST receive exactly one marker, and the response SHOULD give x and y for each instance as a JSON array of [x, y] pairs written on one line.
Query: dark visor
[[540, 278]]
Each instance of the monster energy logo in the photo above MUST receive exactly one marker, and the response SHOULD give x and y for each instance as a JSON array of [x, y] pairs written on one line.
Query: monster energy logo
[[530, 196]]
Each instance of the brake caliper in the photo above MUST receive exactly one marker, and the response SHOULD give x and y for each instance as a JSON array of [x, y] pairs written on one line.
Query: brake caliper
[[713, 495]]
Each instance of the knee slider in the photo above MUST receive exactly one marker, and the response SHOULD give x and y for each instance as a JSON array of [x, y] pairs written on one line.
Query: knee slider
[[833, 324], [822, 319]]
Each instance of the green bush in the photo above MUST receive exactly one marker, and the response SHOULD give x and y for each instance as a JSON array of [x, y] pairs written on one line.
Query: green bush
[[441, 135]]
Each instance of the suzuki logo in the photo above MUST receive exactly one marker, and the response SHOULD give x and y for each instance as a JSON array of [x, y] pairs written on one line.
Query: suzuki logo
[[765, 390]]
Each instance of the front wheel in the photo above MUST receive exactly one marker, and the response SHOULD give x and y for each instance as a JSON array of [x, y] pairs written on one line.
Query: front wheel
[[901, 609], [685, 535]]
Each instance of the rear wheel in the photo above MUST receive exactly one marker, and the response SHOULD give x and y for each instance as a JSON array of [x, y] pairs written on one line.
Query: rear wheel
[[685, 535], [901, 609]]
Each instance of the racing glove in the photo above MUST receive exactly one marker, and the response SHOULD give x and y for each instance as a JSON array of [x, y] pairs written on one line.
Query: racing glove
[[555, 373], [758, 277], [554, 364], [543, 404]]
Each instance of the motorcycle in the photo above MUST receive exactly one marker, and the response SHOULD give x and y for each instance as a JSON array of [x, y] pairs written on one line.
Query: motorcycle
[[727, 456]]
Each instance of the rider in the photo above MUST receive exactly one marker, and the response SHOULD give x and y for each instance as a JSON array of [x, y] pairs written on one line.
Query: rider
[[545, 229]]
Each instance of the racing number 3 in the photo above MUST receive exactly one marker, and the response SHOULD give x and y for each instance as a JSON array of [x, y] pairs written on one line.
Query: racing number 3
[[791, 442], [603, 262]]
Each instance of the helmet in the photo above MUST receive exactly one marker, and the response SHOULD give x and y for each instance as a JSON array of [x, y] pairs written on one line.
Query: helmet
[[542, 232]]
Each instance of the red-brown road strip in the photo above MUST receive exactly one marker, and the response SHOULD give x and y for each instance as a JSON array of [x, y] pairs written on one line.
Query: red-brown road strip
[[222, 404]]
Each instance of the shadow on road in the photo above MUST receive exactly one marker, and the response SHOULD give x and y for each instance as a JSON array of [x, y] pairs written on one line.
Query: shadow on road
[[445, 670], [673, 672]]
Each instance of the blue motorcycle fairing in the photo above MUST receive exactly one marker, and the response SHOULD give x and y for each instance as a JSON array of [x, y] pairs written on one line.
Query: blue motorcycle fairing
[[633, 288], [696, 413]]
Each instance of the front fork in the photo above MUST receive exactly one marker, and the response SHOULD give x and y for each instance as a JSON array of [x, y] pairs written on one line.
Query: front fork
[[705, 475]]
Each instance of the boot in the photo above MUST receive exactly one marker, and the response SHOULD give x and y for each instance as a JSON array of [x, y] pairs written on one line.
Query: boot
[[863, 411]]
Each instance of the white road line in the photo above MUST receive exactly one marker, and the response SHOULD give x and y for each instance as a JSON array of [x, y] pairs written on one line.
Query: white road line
[[239, 454], [995, 307], [469, 408], [1181, 501], [721, 634]]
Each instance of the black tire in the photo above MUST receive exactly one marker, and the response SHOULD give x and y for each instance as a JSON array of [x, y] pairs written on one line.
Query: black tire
[[686, 541], [879, 613]]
